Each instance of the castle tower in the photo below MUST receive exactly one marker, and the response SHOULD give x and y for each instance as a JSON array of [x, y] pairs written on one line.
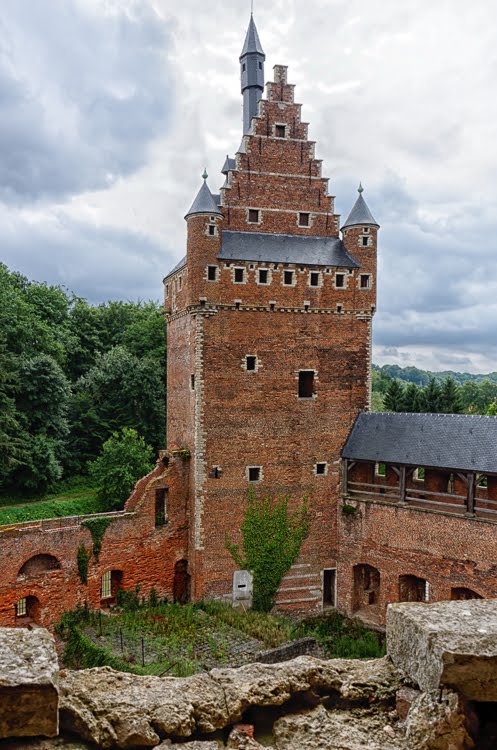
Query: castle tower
[[269, 331]]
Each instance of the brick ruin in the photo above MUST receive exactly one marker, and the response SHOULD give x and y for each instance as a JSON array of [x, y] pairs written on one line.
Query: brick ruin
[[269, 319]]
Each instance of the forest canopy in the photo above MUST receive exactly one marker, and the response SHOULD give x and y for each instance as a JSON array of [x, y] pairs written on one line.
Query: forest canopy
[[72, 374]]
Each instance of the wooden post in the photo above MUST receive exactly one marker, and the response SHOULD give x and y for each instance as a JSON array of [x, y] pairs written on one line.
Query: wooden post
[[345, 475], [402, 484], [470, 497]]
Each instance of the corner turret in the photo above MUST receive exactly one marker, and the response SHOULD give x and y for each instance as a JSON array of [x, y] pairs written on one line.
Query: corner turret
[[360, 213], [252, 74]]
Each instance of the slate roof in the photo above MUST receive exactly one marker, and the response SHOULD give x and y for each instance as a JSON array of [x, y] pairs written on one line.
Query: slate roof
[[454, 441], [285, 248], [252, 41], [176, 267], [204, 203], [360, 214], [228, 165]]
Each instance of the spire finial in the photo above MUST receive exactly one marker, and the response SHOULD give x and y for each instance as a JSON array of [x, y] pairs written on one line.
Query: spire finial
[[205, 175], [360, 189]]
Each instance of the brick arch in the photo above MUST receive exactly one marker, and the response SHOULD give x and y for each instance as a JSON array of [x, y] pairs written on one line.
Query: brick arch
[[462, 593], [39, 565]]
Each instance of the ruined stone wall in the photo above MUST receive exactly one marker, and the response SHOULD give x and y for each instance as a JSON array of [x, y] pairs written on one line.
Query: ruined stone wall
[[133, 546]]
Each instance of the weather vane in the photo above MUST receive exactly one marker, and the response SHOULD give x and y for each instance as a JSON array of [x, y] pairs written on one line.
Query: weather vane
[[251, 7]]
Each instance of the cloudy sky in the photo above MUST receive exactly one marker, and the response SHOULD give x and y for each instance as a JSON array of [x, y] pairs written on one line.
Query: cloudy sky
[[111, 108]]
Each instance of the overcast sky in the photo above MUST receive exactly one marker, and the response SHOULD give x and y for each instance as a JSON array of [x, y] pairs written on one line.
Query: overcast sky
[[110, 109]]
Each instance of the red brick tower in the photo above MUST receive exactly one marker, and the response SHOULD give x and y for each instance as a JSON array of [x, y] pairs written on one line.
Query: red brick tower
[[269, 333]]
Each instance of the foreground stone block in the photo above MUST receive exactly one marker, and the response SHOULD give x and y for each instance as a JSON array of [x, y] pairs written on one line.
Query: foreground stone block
[[450, 644], [29, 698]]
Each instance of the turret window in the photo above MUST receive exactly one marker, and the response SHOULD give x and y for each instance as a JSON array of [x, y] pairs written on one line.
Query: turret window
[[365, 241], [212, 230], [365, 281], [254, 216], [211, 273]]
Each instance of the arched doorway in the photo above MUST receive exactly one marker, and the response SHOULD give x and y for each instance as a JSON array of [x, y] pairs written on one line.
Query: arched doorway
[[366, 587], [28, 611], [181, 583]]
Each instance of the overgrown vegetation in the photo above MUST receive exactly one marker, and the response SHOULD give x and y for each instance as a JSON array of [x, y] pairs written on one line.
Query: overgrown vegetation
[[83, 558], [71, 374], [97, 528], [272, 536], [154, 637], [76, 503]]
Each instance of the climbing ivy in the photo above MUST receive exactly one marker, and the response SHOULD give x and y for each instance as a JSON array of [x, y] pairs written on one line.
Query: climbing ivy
[[97, 528], [271, 540], [83, 558]]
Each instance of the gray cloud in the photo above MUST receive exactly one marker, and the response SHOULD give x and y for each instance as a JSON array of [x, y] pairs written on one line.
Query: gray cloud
[[82, 95]]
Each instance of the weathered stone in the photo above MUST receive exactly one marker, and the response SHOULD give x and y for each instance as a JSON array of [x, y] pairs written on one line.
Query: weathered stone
[[439, 724], [195, 745], [404, 699], [239, 740], [446, 643], [28, 683], [355, 729], [56, 743]]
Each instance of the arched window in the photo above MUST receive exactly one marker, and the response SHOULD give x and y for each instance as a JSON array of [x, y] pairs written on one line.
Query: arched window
[[38, 565], [413, 589], [460, 593]]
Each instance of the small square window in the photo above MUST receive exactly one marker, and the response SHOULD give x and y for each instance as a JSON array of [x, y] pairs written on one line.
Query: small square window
[[288, 278], [306, 383], [380, 470], [254, 473], [314, 278], [365, 241], [212, 273], [280, 131], [339, 280], [365, 230], [253, 215], [239, 275], [339, 308], [304, 219], [263, 276], [321, 469], [212, 230], [365, 281], [215, 472], [251, 363]]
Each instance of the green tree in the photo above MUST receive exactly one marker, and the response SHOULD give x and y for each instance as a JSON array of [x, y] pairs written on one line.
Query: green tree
[[492, 409], [431, 396], [450, 400], [10, 444], [412, 398], [124, 459], [272, 536], [394, 396]]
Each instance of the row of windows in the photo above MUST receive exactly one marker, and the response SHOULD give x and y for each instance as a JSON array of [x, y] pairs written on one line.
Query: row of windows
[[288, 278], [306, 378], [419, 475], [256, 473]]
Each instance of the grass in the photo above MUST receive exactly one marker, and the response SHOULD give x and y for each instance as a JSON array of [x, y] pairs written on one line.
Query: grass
[[76, 502], [159, 638]]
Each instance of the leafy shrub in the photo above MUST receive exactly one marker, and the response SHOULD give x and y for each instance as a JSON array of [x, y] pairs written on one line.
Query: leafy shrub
[[124, 459]]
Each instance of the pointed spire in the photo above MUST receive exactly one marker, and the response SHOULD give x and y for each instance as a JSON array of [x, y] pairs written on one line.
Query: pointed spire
[[204, 202], [360, 213], [252, 41]]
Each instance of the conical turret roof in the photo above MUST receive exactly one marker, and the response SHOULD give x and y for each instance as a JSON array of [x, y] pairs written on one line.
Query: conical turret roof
[[204, 203], [360, 213], [252, 41]]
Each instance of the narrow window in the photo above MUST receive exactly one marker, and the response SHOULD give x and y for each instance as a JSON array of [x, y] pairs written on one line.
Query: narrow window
[[106, 586], [272, 306], [339, 308], [314, 278], [321, 469], [21, 610], [260, 66], [339, 280], [180, 282], [212, 273], [303, 220], [253, 215], [263, 276], [239, 275], [254, 473], [215, 472], [167, 290], [306, 383], [251, 363], [212, 230], [192, 382], [161, 506], [329, 588], [380, 470], [280, 131], [365, 281], [365, 241], [244, 67], [288, 278]]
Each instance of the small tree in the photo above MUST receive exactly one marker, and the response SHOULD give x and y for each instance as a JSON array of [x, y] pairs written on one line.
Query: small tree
[[394, 396], [450, 399], [124, 459], [271, 540]]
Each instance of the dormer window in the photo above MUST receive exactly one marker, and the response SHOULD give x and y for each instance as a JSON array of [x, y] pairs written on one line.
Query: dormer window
[[253, 216], [280, 131]]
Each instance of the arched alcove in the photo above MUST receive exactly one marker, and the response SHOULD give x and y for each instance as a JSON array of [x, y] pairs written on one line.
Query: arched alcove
[[38, 565]]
